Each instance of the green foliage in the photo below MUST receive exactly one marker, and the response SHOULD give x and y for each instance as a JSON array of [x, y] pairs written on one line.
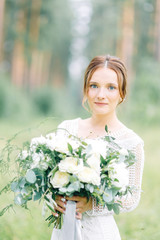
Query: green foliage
[[48, 101], [144, 100], [21, 105], [13, 102]]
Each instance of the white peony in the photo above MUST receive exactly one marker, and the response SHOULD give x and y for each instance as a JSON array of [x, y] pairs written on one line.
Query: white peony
[[36, 141], [60, 144], [89, 175], [74, 143], [23, 155], [50, 141], [123, 152], [51, 136], [60, 179], [122, 174], [98, 147], [71, 165]]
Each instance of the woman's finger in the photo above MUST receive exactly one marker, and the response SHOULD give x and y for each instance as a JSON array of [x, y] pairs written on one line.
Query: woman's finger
[[76, 198], [78, 215], [60, 209], [55, 214]]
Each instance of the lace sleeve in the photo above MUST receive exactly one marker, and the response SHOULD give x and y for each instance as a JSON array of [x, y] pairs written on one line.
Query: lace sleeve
[[130, 201]]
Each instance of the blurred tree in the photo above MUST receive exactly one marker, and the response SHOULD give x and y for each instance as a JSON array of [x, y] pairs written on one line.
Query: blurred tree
[[144, 30], [157, 30], [125, 46], [38, 41], [104, 30], [2, 6]]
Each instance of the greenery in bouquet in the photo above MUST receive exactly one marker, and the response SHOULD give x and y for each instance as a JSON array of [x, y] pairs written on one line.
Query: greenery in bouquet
[[62, 164]]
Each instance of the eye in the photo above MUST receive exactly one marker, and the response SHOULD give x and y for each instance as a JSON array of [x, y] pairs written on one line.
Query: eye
[[111, 87], [93, 86]]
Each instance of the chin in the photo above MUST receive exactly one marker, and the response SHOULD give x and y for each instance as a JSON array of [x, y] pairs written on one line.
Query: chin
[[101, 113]]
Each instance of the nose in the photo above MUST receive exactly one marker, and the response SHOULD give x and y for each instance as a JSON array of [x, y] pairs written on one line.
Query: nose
[[101, 93]]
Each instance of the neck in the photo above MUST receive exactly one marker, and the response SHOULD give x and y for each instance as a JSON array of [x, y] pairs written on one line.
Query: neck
[[100, 121]]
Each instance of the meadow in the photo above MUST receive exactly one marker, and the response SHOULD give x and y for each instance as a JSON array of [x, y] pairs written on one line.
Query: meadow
[[142, 223]]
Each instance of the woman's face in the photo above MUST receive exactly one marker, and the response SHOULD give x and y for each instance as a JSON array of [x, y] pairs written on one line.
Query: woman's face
[[103, 92]]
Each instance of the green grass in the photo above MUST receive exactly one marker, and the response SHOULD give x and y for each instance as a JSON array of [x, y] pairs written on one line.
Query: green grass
[[142, 223]]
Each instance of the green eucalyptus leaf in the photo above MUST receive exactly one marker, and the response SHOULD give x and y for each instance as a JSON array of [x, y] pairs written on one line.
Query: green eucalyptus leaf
[[15, 187], [108, 196], [70, 148], [62, 190], [31, 176], [24, 191], [22, 182], [72, 178], [106, 128], [110, 207], [116, 208], [89, 187], [19, 199], [37, 196]]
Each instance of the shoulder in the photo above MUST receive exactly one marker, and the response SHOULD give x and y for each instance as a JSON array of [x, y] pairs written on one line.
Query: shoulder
[[67, 123], [129, 138], [134, 135], [70, 125]]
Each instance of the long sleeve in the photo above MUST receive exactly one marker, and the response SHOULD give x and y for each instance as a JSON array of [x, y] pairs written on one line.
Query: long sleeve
[[131, 201]]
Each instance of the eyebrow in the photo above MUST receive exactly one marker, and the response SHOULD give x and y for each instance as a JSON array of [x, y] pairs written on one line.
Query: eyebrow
[[110, 83]]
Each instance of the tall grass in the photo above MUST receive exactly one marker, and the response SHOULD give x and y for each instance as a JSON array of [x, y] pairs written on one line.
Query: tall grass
[[142, 223]]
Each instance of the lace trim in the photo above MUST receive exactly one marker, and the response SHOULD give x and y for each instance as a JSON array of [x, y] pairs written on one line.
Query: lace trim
[[115, 134]]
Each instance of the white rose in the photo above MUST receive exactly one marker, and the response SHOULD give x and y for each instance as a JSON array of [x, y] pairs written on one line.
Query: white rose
[[60, 179], [122, 174], [123, 152], [94, 162], [89, 175], [71, 165]]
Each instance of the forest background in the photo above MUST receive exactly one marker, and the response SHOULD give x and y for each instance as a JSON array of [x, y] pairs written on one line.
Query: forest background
[[45, 47]]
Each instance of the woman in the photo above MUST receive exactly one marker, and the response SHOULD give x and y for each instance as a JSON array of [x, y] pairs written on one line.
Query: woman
[[104, 89]]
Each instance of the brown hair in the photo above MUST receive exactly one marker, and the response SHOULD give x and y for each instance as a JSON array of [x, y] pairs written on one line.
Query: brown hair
[[110, 62]]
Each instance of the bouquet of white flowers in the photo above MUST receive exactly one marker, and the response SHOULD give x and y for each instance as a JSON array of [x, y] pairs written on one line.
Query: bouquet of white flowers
[[66, 165]]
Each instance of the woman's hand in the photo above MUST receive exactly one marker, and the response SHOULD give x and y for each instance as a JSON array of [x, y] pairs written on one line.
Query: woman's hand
[[82, 204], [61, 205]]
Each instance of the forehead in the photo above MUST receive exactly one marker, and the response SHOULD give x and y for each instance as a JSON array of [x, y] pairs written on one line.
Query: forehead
[[104, 75]]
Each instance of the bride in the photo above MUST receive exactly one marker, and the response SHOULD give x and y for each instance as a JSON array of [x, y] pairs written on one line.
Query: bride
[[105, 83]]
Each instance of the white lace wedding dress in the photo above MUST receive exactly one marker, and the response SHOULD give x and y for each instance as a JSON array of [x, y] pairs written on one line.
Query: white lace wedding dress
[[99, 223]]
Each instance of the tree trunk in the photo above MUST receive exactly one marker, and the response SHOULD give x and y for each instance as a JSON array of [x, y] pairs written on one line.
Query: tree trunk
[[2, 7], [157, 31], [126, 44]]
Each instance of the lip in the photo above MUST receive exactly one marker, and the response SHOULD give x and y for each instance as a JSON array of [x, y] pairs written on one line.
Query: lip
[[101, 104]]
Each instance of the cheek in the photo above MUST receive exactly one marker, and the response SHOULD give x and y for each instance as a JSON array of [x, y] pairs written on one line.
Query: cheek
[[114, 97], [91, 93]]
